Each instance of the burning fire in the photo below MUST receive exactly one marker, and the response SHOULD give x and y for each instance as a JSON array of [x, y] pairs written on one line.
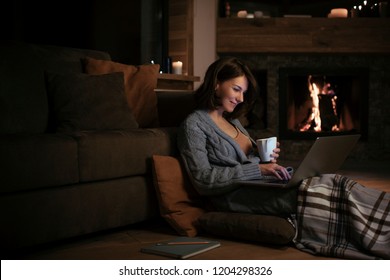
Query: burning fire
[[319, 92], [315, 116]]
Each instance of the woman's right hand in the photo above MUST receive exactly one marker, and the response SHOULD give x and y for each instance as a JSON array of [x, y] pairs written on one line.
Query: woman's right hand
[[273, 169]]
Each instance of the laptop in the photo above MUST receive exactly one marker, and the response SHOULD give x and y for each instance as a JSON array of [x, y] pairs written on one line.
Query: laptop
[[326, 155]]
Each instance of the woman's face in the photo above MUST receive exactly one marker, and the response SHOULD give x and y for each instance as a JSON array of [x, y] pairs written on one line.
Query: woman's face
[[231, 93]]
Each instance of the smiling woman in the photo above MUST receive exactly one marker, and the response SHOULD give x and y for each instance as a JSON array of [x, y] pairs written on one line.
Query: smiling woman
[[214, 144]]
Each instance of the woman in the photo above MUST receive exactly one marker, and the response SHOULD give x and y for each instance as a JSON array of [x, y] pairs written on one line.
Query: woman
[[217, 151], [334, 215]]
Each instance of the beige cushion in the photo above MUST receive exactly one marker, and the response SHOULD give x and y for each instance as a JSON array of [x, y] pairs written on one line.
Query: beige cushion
[[140, 83], [179, 204]]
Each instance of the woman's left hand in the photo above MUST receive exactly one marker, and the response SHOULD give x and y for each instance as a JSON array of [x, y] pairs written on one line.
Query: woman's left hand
[[275, 154]]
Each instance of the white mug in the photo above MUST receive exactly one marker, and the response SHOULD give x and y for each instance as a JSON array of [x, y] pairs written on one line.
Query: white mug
[[265, 147]]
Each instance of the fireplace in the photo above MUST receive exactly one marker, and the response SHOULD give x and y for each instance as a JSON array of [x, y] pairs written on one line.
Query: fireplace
[[362, 86], [321, 102]]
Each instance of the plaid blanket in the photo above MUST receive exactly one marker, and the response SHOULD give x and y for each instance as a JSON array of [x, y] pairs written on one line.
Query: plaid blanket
[[338, 217]]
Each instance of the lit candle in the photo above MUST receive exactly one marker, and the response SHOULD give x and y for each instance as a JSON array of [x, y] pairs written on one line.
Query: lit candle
[[177, 67], [242, 14], [338, 13]]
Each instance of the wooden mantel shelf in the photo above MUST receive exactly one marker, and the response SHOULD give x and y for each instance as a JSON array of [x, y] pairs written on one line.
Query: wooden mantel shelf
[[176, 77], [304, 35], [176, 82]]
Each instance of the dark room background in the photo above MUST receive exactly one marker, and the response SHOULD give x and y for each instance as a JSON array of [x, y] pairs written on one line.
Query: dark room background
[[132, 31]]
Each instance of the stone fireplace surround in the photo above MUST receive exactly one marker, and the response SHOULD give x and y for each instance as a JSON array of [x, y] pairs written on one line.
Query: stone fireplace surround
[[266, 120]]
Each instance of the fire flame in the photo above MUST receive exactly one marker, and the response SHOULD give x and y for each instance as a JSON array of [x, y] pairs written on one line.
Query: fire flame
[[313, 121], [315, 112]]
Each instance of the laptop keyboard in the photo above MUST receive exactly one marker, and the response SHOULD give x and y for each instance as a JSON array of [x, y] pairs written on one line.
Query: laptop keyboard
[[273, 179]]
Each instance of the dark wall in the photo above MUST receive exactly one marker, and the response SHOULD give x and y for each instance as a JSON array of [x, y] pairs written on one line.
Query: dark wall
[[114, 26]]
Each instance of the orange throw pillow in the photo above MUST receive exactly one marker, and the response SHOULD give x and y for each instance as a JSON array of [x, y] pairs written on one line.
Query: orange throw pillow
[[140, 83], [179, 203]]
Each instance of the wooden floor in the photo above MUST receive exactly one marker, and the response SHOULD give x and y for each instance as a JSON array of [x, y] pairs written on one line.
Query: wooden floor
[[126, 243]]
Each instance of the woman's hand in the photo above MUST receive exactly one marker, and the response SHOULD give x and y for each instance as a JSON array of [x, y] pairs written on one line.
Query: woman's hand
[[273, 169], [275, 154]]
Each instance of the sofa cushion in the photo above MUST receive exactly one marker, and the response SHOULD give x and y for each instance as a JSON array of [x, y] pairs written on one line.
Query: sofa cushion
[[140, 82], [112, 154], [88, 102], [51, 214], [23, 100], [37, 161], [65, 59], [251, 227], [24, 105], [180, 205]]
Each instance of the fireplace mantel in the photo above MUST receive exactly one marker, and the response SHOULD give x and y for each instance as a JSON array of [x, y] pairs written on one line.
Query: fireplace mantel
[[304, 35]]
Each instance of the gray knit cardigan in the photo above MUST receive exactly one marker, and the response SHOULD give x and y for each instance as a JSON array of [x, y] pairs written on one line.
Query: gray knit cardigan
[[213, 159]]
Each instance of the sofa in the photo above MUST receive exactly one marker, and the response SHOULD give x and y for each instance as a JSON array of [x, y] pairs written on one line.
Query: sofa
[[74, 159]]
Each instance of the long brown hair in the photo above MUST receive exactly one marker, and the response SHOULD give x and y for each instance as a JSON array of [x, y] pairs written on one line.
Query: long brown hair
[[221, 70]]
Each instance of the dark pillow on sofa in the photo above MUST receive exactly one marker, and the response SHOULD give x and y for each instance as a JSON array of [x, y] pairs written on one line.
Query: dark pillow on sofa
[[140, 82], [89, 102], [251, 227]]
